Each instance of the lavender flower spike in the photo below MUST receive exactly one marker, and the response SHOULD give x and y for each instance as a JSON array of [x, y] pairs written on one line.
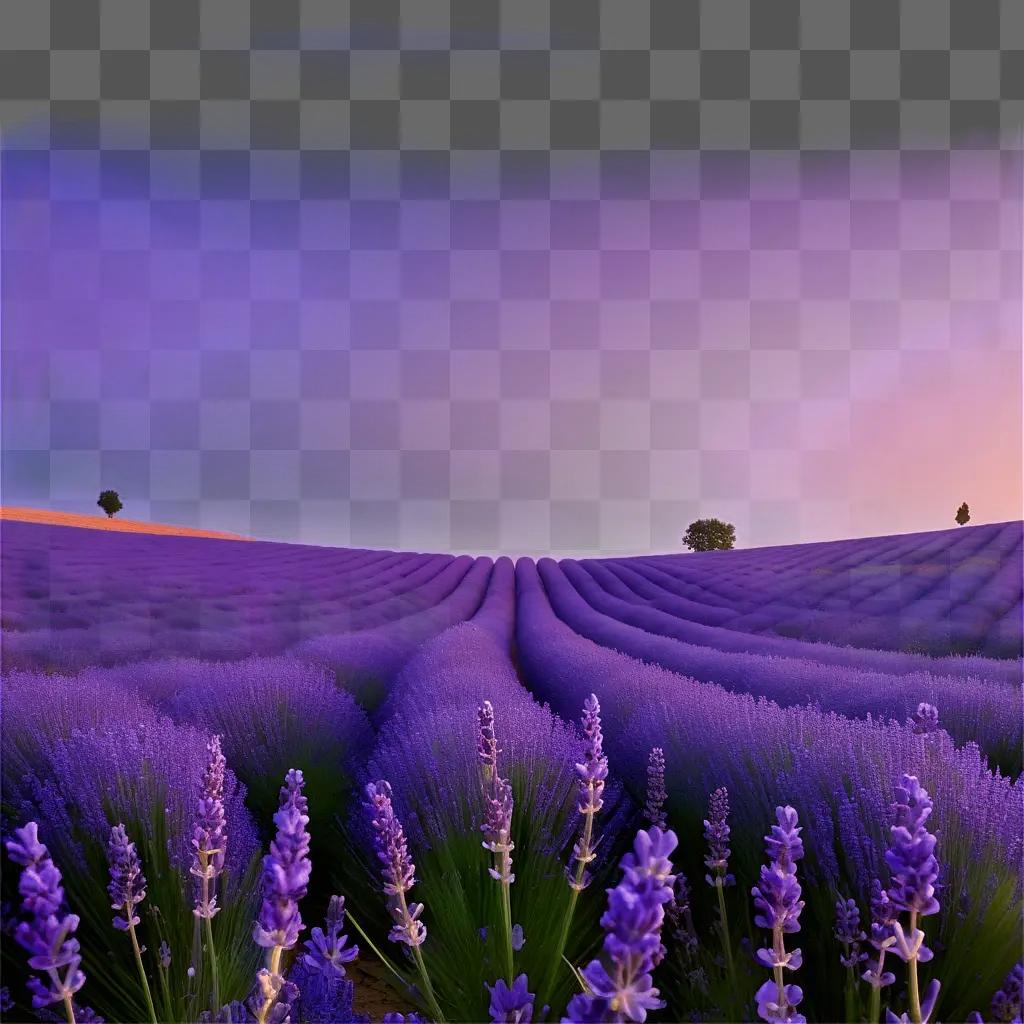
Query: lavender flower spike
[[329, 951], [914, 870], [399, 875], [911, 859], [48, 935], [592, 774], [128, 889], [716, 832], [882, 937], [487, 743], [127, 886], [209, 836], [511, 1005], [621, 988], [778, 905], [398, 870], [497, 830], [1008, 1002], [848, 932], [925, 719], [654, 809], [286, 870]]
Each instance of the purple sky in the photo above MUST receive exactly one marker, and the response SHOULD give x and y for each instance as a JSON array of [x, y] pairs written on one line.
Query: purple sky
[[584, 364]]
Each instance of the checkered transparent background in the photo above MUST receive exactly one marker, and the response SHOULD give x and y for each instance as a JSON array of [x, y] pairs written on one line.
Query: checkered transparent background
[[499, 276]]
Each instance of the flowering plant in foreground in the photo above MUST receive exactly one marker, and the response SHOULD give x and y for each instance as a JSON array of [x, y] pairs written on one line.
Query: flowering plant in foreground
[[309, 984], [209, 844], [911, 859], [497, 823], [778, 904], [48, 934], [127, 890], [621, 987]]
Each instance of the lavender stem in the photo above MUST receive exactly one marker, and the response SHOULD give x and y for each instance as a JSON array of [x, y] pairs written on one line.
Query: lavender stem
[[913, 990], [142, 971]]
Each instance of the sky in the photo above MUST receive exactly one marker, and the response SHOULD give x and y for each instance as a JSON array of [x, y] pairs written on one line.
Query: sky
[[448, 280]]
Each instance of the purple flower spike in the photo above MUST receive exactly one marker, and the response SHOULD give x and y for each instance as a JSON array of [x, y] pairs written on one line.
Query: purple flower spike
[[594, 770], [329, 950], [911, 859], [127, 883], [911, 856], [621, 988], [654, 809], [512, 1005], [398, 870], [286, 870], [209, 836], [1008, 1002], [165, 955], [497, 830], [716, 832], [777, 904], [48, 935], [848, 933], [398, 1018], [487, 743], [882, 938], [592, 774], [925, 719]]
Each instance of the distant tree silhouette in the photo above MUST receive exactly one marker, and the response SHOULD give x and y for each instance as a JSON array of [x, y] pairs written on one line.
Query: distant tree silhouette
[[963, 514], [110, 502], [710, 535]]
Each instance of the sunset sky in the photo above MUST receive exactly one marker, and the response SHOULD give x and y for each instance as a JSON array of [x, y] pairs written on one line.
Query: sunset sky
[[393, 313]]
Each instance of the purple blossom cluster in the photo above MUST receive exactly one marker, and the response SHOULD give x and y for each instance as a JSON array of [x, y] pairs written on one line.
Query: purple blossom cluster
[[716, 834], [327, 948], [882, 938], [849, 934], [925, 719], [1008, 1002], [209, 836], [592, 773], [778, 905], [497, 823], [398, 870], [511, 1004], [48, 932], [127, 883], [286, 870], [914, 871], [621, 986], [654, 808]]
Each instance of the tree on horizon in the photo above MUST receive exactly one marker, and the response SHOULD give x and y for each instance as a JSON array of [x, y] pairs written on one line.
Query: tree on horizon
[[963, 514], [110, 502], [710, 535]]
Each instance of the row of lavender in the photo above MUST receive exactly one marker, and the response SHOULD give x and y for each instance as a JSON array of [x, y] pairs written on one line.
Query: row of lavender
[[68, 605], [981, 709], [77, 598], [62, 588], [953, 589]]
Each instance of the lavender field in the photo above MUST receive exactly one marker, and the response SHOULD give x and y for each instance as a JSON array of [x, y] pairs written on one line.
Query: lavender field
[[268, 782]]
